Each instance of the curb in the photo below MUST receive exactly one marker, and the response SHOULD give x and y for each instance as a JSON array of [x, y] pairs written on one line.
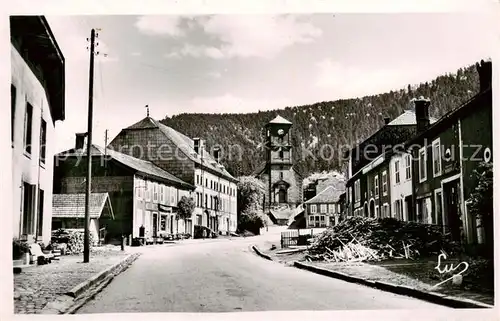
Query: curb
[[256, 249], [72, 300], [432, 297]]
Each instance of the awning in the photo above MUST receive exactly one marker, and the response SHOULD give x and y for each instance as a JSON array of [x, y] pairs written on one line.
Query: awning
[[166, 209]]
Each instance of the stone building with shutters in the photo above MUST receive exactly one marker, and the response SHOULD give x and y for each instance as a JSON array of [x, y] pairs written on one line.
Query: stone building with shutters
[[37, 102], [140, 193], [188, 159]]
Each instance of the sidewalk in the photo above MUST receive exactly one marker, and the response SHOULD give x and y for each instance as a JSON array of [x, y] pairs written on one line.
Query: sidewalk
[[419, 274], [36, 286]]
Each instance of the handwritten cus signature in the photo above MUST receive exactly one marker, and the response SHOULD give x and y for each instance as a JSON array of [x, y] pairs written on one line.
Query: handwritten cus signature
[[448, 269]]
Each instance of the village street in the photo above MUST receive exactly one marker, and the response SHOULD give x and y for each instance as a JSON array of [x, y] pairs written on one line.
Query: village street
[[226, 276]]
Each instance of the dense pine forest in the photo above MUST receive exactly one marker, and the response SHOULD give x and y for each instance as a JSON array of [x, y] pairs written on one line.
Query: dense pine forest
[[322, 128]]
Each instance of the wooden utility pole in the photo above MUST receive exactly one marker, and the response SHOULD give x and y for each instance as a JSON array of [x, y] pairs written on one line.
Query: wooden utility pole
[[86, 239]]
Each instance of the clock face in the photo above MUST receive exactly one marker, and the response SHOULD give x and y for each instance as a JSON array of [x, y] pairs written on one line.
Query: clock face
[[281, 132]]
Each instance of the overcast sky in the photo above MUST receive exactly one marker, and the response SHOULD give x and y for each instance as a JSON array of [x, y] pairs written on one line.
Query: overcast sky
[[243, 63]]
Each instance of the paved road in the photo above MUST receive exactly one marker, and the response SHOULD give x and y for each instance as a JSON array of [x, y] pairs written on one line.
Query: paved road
[[226, 276]]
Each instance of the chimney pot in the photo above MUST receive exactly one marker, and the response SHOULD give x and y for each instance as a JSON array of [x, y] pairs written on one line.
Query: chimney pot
[[217, 154], [387, 120], [196, 145], [80, 140], [485, 75], [422, 113]]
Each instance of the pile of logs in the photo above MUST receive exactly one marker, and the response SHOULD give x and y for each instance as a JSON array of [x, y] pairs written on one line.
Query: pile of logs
[[370, 239]]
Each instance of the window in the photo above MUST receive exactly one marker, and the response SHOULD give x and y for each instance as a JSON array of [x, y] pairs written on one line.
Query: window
[[377, 211], [206, 201], [311, 219], [331, 208], [28, 122], [281, 175], [148, 191], [28, 208], [281, 154], [198, 179], [438, 206], [162, 194], [436, 157], [39, 221], [43, 140], [206, 182], [376, 187], [422, 164], [155, 192], [408, 166], [313, 208], [357, 191], [322, 208], [396, 172], [13, 97], [384, 183]]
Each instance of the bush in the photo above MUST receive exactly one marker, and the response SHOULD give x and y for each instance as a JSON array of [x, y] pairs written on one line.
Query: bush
[[19, 248], [250, 222]]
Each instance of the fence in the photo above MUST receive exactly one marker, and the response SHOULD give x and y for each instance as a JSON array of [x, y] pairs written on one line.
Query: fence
[[295, 237]]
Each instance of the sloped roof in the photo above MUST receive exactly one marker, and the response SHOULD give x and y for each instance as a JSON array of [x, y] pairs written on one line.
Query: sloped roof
[[184, 143], [280, 120], [73, 205], [142, 166], [283, 214], [328, 195], [407, 118]]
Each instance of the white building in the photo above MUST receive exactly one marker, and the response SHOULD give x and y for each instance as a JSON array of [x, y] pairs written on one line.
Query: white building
[[400, 185], [37, 102]]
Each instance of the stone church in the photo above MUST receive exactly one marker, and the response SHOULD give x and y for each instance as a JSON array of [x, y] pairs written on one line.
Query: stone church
[[283, 183]]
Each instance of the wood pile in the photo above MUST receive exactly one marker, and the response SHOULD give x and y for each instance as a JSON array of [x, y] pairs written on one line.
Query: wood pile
[[370, 239], [70, 240]]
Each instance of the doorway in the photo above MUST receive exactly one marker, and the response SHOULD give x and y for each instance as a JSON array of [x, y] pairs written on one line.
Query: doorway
[[155, 224], [372, 208], [282, 196], [451, 208]]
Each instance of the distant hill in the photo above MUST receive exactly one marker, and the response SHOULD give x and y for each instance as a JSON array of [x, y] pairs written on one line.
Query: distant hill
[[323, 127]]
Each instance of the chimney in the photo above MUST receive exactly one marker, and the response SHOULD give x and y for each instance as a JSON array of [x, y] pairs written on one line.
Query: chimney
[[387, 120], [196, 145], [484, 70], [217, 154], [422, 113], [81, 139]]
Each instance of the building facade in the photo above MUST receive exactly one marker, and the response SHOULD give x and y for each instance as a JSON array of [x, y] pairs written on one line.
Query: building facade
[[143, 196], [372, 186], [325, 209], [188, 159], [37, 102], [445, 155]]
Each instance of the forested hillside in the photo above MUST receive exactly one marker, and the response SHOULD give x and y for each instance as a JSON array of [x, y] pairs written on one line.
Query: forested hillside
[[330, 124]]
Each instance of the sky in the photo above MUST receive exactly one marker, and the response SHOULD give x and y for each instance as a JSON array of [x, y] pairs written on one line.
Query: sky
[[245, 63]]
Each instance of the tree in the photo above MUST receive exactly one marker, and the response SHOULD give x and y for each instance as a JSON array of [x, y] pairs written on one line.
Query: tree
[[250, 201], [185, 209], [481, 203]]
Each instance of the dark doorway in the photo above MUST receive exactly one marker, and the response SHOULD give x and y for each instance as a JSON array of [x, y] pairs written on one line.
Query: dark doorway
[[452, 209], [372, 208], [282, 196], [155, 225], [366, 213]]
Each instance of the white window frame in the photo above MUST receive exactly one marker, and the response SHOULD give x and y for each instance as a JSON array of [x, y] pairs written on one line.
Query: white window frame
[[357, 191], [331, 208], [313, 208], [408, 167], [386, 210], [436, 171], [385, 188], [422, 151], [323, 208], [376, 182], [397, 172]]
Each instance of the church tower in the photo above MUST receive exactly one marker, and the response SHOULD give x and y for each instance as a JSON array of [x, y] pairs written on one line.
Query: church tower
[[282, 182]]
